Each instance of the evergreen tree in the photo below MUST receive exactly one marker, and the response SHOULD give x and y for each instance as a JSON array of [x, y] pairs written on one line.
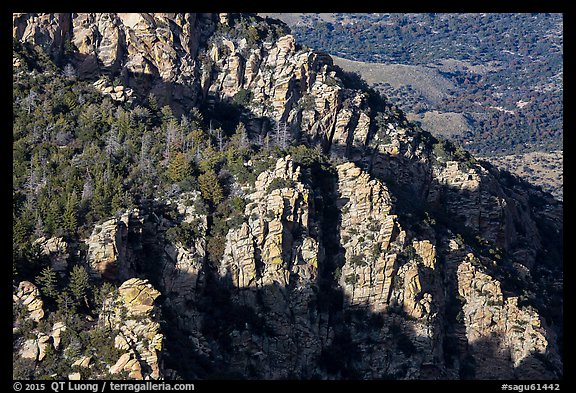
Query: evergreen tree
[[47, 281], [240, 137], [69, 219], [66, 303], [53, 219], [20, 231], [210, 159], [178, 168], [210, 187], [79, 284]]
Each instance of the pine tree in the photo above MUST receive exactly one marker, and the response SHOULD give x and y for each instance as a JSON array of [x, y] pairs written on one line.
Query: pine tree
[[47, 281], [20, 231], [66, 303], [178, 168], [210, 187], [210, 158], [53, 219], [79, 284], [240, 137], [69, 219]]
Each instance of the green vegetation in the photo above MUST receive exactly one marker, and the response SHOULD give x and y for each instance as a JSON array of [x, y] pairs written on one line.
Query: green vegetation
[[243, 97], [279, 183]]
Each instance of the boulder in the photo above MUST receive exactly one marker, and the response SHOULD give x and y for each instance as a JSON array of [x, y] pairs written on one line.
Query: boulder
[[28, 296]]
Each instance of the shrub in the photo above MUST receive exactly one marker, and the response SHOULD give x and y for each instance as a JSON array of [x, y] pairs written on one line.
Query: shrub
[[243, 97], [351, 279], [307, 102], [279, 183], [358, 260]]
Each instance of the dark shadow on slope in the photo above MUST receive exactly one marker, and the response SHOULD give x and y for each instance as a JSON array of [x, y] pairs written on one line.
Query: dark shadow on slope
[[489, 359], [222, 316], [411, 183]]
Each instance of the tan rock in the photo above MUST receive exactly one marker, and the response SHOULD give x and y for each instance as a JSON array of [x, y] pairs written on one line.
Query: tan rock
[[367, 233], [138, 295], [134, 314], [74, 376], [56, 249], [426, 250], [120, 363], [84, 362], [29, 349], [42, 345], [28, 295]]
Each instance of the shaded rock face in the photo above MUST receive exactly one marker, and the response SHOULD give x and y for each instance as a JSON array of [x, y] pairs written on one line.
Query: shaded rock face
[[386, 311], [46, 30], [148, 51], [56, 249], [288, 84]]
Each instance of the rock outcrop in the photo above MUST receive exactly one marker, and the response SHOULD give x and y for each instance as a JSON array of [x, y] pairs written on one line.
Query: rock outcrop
[[108, 255], [56, 249], [272, 259], [28, 296], [501, 326], [134, 314], [117, 93], [370, 235], [154, 51]]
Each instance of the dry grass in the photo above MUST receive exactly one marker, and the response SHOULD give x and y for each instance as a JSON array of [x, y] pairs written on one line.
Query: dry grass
[[427, 81], [539, 168]]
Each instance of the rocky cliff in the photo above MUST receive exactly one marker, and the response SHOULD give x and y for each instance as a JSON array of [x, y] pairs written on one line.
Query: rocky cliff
[[403, 257]]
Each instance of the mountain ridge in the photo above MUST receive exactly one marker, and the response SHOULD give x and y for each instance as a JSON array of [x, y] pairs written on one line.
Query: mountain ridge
[[390, 228]]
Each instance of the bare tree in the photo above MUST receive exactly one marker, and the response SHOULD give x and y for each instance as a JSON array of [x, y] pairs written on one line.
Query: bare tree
[[145, 163], [69, 72], [174, 138], [88, 188], [113, 146], [219, 138], [241, 135], [30, 100], [282, 136]]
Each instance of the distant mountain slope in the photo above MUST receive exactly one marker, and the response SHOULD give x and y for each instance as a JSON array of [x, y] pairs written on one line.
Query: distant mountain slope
[[507, 68], [541, 168]]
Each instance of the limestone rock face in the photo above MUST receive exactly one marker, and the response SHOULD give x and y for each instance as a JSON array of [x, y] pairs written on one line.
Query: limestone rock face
[[148, 50], [291, 85], [28, 296], [135, 315], [264, 250], [500, 325], [30, 349], [46, 30], [35, 349], [57, 330], [117, 93], [368, 232], [269, 256]]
